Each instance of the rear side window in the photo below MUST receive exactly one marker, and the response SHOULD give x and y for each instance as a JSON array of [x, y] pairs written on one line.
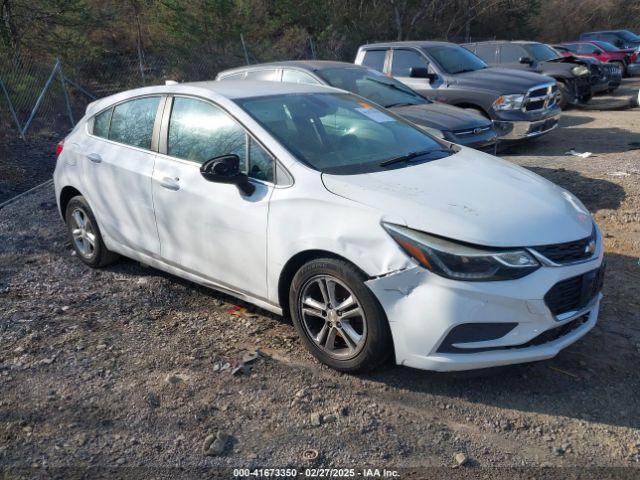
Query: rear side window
[[511, 53], [404, 60], [375, 59], [101, 123], [486, 53], [296, 76], [234, 76], [264, 75], [132, 122], [587, 48]]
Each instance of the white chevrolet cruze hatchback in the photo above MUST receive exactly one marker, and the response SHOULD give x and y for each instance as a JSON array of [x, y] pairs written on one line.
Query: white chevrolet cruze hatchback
[[374, 237]]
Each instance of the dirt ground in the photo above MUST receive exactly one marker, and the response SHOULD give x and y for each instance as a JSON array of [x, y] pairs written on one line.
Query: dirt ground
[[130, 369]]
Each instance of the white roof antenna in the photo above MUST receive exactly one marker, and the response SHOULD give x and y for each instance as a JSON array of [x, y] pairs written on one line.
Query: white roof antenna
[[170, 82]]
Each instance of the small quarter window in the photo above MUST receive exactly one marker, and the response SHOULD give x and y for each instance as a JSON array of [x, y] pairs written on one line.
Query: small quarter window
[[268, 75], [260, 162], [101, 123], [295, 76]]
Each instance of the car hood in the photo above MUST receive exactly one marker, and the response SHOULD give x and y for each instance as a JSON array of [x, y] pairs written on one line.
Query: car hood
[[471, 197], [501, 80], [440, 116]]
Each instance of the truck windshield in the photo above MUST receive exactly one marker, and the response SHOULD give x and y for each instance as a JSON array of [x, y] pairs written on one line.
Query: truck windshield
[[342, 134], [541, 52], [454, 59], [373, 85]]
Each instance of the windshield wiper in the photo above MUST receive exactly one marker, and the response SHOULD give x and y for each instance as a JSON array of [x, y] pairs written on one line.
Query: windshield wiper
[[400, 104], [410, 156]]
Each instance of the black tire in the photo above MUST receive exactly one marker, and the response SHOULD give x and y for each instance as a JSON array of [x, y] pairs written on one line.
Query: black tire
[[98, 255], [563, 101], [375, 348]]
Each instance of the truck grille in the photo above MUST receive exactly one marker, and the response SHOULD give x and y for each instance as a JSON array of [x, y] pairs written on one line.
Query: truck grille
[[541, 97], [574, 293]]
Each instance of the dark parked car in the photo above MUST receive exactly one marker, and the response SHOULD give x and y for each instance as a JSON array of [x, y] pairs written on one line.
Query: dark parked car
[[574, 79], [620, 38], [521, 104], [608, 53], [453, 124], [605, 77]]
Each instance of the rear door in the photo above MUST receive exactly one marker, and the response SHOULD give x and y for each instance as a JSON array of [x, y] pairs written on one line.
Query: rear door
[[117, 169], [205, 228], [487, 52]]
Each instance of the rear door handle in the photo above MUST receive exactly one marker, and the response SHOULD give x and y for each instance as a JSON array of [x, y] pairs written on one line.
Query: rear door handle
[[170, 183], [94, 157]]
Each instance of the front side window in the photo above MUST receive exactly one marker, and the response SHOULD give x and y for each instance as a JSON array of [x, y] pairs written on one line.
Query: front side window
[[373, 85], [404, 61], [296, 76], [101, 123], [607, 47], [375, 59], [511, 53], [200, 131], [340, 133], [455, 59], [132, 122]]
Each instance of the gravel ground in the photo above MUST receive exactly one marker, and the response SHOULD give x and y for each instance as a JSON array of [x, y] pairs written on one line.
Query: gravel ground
[[131, 369]]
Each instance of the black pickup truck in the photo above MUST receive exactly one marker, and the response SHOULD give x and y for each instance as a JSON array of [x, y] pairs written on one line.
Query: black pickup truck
[[521, 104], [574, 78]]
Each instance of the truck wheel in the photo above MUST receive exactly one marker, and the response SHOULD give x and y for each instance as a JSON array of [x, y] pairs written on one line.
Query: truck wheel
[[563, 99]]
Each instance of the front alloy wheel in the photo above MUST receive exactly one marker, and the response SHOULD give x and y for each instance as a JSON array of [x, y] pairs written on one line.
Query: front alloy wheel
[[338, 317], [332, 317]]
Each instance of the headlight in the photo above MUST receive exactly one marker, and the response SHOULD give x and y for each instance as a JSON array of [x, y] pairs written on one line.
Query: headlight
[[508, 102], [579, 70], [462, 262], [433, 131]]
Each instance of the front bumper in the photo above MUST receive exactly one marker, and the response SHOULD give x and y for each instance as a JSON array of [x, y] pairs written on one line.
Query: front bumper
[[423, 308], [521, 130], [485, 141]]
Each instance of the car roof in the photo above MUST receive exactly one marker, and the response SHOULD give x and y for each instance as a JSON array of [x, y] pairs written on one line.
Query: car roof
[[230, 90], [410, 43], [520, 42], [311, 65], [603, 31]]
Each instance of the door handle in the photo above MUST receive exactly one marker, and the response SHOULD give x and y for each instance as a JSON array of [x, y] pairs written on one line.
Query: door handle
[[170, 183], [94, 157]]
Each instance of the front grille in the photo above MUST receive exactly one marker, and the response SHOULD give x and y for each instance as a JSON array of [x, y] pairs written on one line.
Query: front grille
[[540, 98], [574, 293], [568, 252], [471, 131]]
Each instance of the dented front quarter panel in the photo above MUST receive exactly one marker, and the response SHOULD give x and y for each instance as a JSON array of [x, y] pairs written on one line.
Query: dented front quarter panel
[[306, 216]]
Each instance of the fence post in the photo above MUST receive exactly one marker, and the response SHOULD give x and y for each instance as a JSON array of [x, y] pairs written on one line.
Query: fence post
[[313, 48], [40, 97], [64, 93], [244, 47], [11, 109]]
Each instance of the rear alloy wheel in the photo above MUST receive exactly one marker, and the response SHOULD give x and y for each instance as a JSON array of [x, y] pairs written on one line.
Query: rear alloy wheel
[[85, 234], [338, 317]]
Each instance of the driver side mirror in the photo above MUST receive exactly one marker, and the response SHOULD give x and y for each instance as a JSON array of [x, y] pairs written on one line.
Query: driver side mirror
[[526, 60], [422, 72], [226, 169]]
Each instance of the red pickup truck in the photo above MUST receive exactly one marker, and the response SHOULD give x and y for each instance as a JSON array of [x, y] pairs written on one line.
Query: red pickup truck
[[606, 52]]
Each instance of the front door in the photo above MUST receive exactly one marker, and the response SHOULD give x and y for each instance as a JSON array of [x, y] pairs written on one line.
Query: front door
[[205, 228]]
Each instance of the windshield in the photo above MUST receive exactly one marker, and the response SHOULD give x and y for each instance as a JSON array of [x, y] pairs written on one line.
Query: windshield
[[455, 59], [373, 85], [541, 52], [606, 46], [340, 133]]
